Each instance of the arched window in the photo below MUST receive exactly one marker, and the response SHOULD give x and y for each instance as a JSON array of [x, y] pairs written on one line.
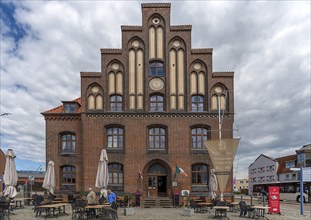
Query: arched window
[[68, 143], [157, 138], [156, 103], [115, 138], [219, 97], [156, 69], [95, 98], [199, 174], [116, 103], [197, 103], [115, 176], [68, 175], [198, 136]]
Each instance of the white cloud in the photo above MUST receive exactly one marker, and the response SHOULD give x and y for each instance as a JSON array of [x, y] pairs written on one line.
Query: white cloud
[[267, 44]]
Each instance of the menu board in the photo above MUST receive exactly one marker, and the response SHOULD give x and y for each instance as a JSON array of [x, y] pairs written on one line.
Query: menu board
[[274, 199]]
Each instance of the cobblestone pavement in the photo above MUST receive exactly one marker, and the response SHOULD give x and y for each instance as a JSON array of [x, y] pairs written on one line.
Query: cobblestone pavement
[[288, 213]]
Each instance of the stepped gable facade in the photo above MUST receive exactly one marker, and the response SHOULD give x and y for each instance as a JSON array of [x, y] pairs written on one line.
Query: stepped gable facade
[[152, 105]]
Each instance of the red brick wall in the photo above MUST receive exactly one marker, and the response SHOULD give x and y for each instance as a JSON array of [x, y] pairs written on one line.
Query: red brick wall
[[2, 167]]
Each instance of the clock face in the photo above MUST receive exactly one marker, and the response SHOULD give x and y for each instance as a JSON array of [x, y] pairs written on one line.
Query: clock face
[[156, 84]]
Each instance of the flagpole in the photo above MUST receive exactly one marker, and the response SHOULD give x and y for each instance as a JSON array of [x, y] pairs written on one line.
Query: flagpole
[[219, 119]]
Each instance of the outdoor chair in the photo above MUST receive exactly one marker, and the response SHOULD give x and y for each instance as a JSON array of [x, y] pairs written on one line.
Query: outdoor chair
[[221, 212], [4, 209], [194, 206], [245, 209], [77, 212], [102, 200]]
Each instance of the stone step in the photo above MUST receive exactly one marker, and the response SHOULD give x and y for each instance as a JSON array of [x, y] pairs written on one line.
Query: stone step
[[157, 202]]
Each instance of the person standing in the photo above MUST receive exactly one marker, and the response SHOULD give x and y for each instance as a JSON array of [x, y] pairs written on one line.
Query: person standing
[[111, 196], [91, 197]]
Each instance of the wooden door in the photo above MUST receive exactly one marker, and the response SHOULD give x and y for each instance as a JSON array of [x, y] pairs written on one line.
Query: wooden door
[[153, 186]]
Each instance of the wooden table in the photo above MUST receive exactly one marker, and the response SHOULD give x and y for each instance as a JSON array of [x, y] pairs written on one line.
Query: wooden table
[[52, 207], [221, 211], [259, 211]]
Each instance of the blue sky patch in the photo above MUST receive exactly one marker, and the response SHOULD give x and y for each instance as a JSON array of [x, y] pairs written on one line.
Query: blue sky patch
[[16, 30]]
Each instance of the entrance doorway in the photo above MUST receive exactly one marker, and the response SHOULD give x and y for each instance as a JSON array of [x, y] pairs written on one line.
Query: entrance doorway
[[157, 180], [162, 186]]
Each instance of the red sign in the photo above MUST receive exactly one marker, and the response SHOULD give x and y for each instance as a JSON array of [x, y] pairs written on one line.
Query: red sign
[[274, 199]]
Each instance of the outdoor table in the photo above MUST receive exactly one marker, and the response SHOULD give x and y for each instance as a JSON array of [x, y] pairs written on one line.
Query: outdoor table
[[204, 206], [259, 211], [221, 211], [52, 207], [234, 207]]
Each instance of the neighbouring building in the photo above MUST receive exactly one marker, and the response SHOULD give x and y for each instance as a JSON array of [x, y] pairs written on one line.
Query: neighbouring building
[[267, 171], [262, 171], [2, 167], [241, 185], [30, 180], [151, 106]]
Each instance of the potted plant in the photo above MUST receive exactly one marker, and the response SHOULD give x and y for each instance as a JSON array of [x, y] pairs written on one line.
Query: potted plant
[[129, 210]]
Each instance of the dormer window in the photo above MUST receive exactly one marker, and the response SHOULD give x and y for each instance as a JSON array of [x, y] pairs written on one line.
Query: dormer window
[[156, 69], [70, 107]]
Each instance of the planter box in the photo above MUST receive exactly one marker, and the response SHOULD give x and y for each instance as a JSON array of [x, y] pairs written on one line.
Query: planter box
[[188, 212], [129, 211]]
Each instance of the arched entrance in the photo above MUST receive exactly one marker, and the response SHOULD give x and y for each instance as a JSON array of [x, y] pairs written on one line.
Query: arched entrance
[[158, 179]]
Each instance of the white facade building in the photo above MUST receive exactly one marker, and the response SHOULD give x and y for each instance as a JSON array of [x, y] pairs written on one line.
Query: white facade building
[[263, 170]]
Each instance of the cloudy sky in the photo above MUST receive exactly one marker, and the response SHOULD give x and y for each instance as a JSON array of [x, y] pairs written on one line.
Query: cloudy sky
[[45, 45]]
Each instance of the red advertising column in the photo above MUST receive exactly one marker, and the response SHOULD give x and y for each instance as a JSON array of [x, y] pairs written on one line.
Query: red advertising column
[[274, 199]]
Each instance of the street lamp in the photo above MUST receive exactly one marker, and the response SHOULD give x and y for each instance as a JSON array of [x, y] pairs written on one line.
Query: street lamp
[[301, 188]]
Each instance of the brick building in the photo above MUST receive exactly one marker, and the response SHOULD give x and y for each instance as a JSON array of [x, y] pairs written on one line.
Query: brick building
[[152, 105], [2, 167]]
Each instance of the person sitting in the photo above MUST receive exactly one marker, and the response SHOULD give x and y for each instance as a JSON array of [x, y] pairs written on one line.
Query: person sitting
[[111, 196], [263, 192]]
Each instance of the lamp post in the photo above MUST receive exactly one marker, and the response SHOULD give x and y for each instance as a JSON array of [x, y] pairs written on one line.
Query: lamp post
[[301, 188]]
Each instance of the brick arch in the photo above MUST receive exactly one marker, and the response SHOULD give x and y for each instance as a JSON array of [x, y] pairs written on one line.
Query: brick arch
[[167, 174]]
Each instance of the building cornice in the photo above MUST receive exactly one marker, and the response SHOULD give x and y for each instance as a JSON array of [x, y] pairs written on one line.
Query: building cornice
[[156, 5], [223, 74], [111, 51], [131, 28], [202, 51], [155, 115], [90, 74], [181, 27]]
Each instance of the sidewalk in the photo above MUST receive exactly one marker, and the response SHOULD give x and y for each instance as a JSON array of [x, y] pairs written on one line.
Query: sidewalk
[[164, 214]]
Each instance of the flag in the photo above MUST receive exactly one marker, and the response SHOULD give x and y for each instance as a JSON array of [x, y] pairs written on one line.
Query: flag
[[234, 180], [140, 174], [180, 171]]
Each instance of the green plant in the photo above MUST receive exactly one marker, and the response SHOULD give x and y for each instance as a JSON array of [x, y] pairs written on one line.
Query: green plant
[[83, 194], [128, 198]]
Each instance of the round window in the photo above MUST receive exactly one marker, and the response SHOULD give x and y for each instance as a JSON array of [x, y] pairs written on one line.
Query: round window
[[95, 89], [218, 89], [156, 20]]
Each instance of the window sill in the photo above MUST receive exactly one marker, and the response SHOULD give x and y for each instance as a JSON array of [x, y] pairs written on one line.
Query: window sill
[[115, 150], [199, 151], [150, 151], [68, 154]]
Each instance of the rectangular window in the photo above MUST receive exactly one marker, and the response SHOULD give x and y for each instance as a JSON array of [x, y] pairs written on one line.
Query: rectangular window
[[290, 164], [70, 107]]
